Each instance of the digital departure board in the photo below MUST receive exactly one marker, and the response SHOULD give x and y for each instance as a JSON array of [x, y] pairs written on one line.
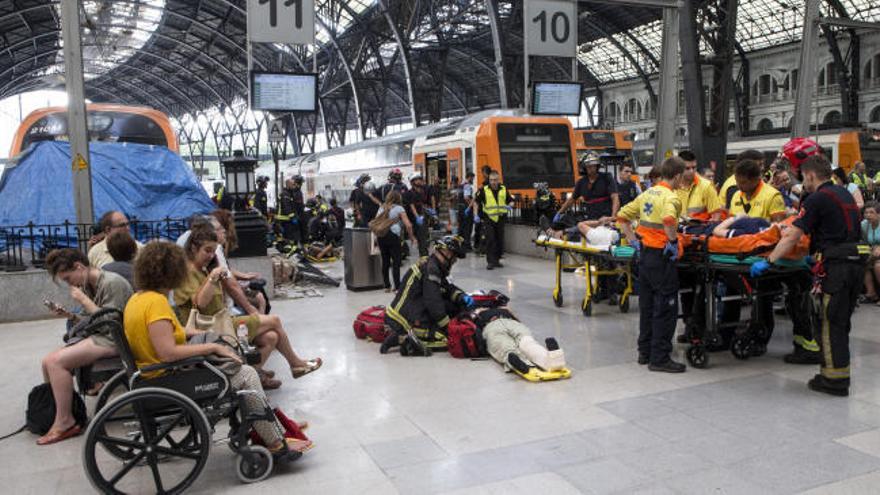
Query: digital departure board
[[556, 98], [284, 91]]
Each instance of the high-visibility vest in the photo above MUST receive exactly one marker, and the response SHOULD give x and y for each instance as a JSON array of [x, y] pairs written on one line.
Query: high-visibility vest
[[495, 208]]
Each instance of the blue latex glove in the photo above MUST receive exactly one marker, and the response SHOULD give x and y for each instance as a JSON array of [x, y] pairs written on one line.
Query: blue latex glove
[[467, 211], [468, 301], [294, 221], [557, 218], [671, 250], [759, 268], [508, 208], [431, 211], [420, 220], [636, 244], [477, 219]]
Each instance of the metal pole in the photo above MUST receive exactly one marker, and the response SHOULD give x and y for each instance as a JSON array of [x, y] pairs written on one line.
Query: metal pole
[[497, 37], [77, 128], [667, 101], [800, 126], [526, 96]]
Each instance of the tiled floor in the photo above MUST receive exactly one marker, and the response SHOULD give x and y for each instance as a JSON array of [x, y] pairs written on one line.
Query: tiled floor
[[388, 424]]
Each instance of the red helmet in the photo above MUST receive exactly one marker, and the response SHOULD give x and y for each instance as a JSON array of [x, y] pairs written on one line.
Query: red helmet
[[799, 149]]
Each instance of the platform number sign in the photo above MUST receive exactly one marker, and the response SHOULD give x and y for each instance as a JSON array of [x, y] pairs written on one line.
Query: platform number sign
[[281, 21], [551, 28]]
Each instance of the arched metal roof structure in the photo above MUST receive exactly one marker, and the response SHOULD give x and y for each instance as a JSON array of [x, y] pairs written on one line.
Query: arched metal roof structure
[[381, 61]]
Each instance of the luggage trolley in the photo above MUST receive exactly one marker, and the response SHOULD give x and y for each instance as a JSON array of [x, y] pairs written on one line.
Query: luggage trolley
[[619, 257]]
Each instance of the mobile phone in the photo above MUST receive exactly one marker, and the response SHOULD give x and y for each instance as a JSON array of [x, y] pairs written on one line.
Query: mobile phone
[[57, 308]]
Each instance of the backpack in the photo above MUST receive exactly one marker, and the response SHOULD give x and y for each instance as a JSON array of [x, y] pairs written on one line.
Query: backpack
[[41, 410], [370, 324], [464, 340], [382, 224]]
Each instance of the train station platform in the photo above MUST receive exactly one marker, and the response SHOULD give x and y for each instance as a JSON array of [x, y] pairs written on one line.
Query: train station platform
[[389, 424]]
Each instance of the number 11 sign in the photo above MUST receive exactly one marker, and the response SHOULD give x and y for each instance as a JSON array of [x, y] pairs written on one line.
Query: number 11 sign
[[281, 21]]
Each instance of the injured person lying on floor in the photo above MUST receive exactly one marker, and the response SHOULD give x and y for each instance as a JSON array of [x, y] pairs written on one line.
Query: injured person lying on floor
[[510, 343], [596, 232]]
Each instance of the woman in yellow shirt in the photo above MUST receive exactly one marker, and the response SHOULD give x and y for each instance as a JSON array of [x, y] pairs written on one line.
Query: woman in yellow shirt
[[201, 289], [155, 336]]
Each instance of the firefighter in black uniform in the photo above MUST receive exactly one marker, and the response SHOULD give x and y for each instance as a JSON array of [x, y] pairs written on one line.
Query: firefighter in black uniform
[[491, 206], [395, 183], [426, 298], [830, 217], [261, 198], [290, 210], [364, 202]]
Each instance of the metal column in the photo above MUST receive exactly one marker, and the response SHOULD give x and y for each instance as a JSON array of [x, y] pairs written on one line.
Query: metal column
[[498, 44], [667, 100], [77, 128], [807, 72], [692, 73]]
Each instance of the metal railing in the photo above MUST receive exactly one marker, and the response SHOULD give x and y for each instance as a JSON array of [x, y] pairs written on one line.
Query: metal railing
[[24, 246]]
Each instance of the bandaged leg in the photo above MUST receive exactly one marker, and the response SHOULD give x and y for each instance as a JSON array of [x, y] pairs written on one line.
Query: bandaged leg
[[538, 354], [502, 339]]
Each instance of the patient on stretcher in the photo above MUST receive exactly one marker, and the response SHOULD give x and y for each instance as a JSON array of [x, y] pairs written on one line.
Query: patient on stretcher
[[511, 344], [595, 232], [740, 225]]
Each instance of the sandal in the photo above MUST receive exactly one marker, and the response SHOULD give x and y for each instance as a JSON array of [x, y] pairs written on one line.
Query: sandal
[[55, 436], [311, 365], [294, 445]]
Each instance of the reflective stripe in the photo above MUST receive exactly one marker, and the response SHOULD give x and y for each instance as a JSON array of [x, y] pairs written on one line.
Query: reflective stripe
[[443, 322], [808, 345], [699, 209], [828, 359], [651, 225], [835, 373], [282, 218]]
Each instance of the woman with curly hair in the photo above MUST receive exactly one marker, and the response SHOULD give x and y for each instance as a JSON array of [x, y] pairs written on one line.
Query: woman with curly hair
[[201, 290], [155, 335]]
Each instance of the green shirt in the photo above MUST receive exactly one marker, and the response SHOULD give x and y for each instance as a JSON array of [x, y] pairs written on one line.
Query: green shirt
[[183, 295]]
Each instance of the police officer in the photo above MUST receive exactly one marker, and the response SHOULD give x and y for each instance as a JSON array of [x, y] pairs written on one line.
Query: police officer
[[261, 198], [491, 206], [290, 210], [416, 203], [598, 190], [627, 188], [830, 217], [657, 211], [428, 297], [465, 207]]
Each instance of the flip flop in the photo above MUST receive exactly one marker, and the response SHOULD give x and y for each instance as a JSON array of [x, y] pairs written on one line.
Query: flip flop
[[311, 365], [95, 390], [56, 436]]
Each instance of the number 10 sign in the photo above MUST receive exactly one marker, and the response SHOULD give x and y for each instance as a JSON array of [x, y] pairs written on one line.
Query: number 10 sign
[[551, 27]]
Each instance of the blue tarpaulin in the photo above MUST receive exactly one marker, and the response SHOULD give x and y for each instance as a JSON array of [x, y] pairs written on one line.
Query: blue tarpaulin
[[143, 181]]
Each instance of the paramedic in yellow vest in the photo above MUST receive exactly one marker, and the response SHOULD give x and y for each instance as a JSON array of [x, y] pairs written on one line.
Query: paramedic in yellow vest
[[757, 199], [657, 211], [728, 188], [491, 206], [699, 202]]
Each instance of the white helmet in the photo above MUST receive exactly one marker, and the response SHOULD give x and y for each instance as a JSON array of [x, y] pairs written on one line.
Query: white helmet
[[415, 176]]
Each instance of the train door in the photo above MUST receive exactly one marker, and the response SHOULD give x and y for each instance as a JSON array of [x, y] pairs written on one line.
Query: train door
[[419, 163]]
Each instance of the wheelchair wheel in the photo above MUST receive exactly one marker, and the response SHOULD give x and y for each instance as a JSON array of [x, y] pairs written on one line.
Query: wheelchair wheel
[[254, 464], [741, 347], [165, 442], [697, 356], [113, 388]]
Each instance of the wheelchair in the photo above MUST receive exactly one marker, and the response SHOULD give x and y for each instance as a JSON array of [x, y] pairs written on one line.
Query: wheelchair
[[158, 432]]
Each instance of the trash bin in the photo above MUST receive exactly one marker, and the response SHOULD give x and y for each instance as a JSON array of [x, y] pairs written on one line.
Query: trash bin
[[362, 270]]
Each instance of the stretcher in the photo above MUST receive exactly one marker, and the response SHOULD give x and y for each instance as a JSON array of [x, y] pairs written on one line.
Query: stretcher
[[536, 374], [750, 336], [616, 261]]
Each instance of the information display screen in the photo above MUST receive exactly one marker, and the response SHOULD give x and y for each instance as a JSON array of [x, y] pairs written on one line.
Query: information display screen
[[284, 91], [556, 98]]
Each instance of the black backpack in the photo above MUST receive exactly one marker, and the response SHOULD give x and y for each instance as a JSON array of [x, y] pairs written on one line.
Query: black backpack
[[41, 410]]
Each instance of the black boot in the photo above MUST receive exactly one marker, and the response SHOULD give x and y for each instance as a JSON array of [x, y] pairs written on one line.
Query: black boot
[[551, 344], [669, 366], [518, 364], [390, 342], [412, 347], [803, 356], [839, 388]]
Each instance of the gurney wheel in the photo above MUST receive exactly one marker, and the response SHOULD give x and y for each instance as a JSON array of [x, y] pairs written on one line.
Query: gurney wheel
[[741, 347], [624, 305], [557, 300], [697, 357], [588, 308]]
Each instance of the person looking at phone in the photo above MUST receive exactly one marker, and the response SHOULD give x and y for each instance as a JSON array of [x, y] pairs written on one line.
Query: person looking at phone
[[94, 289]]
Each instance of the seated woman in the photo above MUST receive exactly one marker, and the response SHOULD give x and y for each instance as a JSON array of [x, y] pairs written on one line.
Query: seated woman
[[871, 236], [94, 289], [224, 227], [511, 343], [201, 290], [596, 232], [156, 336]]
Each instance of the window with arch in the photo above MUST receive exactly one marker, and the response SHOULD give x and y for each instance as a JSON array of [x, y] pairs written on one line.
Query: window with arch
[[874, 116], [872, 71], [633, 110], [613, 112], [832, 117], [765, 125], [682, 132], [827, 76], [648, 109]]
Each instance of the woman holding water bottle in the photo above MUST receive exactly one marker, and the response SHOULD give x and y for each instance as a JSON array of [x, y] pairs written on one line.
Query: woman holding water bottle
[[201, 290]]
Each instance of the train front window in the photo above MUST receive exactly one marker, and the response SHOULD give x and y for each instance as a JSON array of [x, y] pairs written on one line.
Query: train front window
[[535, 153], [103, 126]]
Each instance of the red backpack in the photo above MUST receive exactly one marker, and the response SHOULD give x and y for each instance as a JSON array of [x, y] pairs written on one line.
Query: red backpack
[[464, 339], [370, 324]]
